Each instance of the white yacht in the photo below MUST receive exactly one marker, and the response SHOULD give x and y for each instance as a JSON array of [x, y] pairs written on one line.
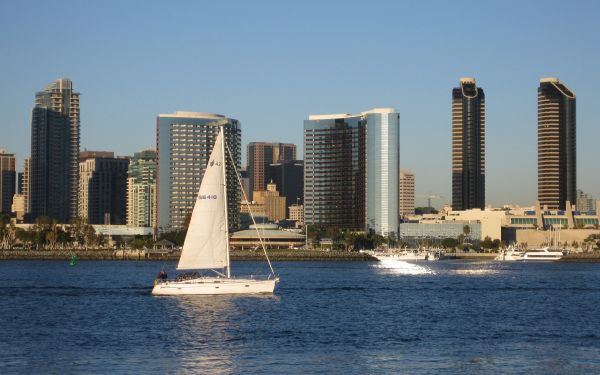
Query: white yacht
[[405, 255], [543, 254], [510, 254], [206, 245]]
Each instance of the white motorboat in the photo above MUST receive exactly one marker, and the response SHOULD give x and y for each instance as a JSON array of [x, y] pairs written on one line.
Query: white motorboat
[[206, 245], [406, 255], [510, 254], [543, 254]]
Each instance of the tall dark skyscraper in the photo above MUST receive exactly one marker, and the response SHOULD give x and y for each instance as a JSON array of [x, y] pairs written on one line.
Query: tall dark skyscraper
[[288, 176], [468, 146], [7, 181], [557, 164], [260, 155], [54, 171]]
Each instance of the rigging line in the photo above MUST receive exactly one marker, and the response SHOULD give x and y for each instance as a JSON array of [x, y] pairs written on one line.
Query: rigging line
[[249, 209]]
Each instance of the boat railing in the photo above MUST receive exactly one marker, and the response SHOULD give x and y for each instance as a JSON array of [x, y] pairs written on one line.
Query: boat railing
[[195, 276]]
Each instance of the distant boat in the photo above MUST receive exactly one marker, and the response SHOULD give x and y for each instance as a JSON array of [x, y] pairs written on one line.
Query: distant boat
[[406, 255], [510, 254], [206, 245]]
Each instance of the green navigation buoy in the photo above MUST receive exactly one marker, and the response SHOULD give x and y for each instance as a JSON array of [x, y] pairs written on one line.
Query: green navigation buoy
[[73, 260]]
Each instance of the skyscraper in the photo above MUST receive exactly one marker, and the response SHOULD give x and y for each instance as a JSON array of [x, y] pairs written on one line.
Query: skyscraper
[[141, 189], [184, 143], [585, 202], [407, 193], [103, 187], [557, 164], [54, 175], [7, 181], [288, 175], [468, 146], [260, 155], [351, 170]]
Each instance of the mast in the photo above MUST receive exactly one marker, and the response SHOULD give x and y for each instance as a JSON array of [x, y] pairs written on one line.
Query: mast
[[262, 244], [222, 130]]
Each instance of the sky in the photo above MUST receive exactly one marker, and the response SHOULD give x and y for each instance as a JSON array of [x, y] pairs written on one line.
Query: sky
[[270, 64]]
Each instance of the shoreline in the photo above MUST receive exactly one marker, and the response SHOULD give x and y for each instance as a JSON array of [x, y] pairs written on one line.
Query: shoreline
[[275, 255], [236, 255]]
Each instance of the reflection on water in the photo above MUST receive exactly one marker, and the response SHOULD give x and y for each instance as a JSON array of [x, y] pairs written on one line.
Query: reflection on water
[[478, 269], [204, 325], [475, 272], [399, 267], [207, 325]]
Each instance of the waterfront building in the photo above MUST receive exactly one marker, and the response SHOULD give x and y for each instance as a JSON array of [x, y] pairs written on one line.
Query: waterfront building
[[141, 189], [269, 233], [585, 202], [468, 146], [532, 226], [102, 187], [525, 226], [407, 193], [288, 175], [7, 181], [274, 204], [260, 155], [18, 206], [351, 170], [54, 174], [184, 143], [557, 163], [437, 231], [296, 213]]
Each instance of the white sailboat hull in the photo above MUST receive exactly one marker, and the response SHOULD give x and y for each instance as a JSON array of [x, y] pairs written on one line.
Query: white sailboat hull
[[214, 286]]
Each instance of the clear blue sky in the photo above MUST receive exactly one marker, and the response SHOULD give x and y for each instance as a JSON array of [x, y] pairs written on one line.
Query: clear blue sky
[[272, 63]]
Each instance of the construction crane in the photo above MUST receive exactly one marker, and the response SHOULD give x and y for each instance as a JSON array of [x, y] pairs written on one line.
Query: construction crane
[[429, 197]]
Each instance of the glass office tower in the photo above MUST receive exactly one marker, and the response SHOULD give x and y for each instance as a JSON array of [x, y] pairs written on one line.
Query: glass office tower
[[184, 142], [351, 170], [54, 175], [383, 163]]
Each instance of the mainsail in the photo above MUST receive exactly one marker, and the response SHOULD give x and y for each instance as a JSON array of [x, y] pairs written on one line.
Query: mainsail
[[205, 244]]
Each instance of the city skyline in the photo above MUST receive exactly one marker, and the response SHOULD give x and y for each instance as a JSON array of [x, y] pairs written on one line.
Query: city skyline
[[272, 101]]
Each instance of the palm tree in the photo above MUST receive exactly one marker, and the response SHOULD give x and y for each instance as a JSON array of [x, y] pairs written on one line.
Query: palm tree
[[466, 231]]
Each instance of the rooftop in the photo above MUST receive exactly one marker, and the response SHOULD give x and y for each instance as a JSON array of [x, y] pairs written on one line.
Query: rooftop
[[187, 114], [349, 115]]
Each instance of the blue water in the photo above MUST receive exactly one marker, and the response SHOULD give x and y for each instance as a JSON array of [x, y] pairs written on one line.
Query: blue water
[[449, 317]]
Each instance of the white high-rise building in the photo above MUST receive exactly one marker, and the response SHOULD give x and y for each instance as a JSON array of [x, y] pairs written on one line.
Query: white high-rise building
[[184, 143]]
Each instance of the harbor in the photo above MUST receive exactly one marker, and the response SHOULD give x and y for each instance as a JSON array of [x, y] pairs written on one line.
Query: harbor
[[279, 255], [445, 317]]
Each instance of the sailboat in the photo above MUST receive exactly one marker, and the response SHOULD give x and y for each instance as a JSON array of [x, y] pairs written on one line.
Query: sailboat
[[206, 245]]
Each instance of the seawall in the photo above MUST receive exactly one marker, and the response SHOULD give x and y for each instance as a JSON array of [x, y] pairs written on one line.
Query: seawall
[[236, 255]]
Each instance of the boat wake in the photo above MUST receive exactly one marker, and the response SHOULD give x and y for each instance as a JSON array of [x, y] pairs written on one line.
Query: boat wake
[[403, 268]]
